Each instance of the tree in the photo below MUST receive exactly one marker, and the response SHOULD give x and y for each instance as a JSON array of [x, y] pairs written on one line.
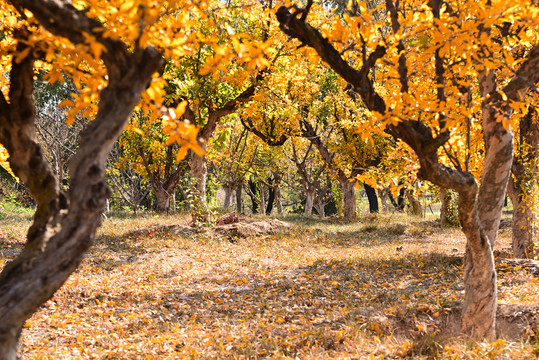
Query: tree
[[116, 65], [232, 156], [149, 151], [218, 78], [522, 184], [57, 137], [310, 172], [455, 52], [126, 182]]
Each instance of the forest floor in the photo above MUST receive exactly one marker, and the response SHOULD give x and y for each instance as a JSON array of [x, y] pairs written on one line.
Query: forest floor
[[380, 287]]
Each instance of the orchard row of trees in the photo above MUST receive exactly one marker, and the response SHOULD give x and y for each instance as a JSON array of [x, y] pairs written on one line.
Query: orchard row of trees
[[357, 92]]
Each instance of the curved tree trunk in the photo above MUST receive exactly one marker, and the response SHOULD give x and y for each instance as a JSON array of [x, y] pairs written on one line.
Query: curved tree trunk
[[64, 222], [349, 199], [479, 211], [199, 208], [480, 217]]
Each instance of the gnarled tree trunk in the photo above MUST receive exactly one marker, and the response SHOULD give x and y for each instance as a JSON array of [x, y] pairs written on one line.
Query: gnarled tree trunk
[[320, 208], [64, 222], [479, 209]]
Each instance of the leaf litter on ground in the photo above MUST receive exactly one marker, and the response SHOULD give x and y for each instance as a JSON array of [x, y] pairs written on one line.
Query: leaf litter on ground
[[318, 289]]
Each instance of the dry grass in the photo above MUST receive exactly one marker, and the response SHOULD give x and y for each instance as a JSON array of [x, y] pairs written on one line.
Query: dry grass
[[320, 290]]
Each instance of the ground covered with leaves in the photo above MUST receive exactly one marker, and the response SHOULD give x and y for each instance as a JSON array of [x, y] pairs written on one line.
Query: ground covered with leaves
[[379, 287]]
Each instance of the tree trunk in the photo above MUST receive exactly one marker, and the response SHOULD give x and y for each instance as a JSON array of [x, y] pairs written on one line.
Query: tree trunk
[[479, 211], [445, 199], [163, 200], [252, 190], [479, 308], [319, 206], [271, 199], [278, 199], [523, 216], [228, 195], [239, 202], [373, 199], [64, 222], [200, 213], [309, 201], [262, 195], [522, 184], [414, 204], [349, 199], [382, 194]]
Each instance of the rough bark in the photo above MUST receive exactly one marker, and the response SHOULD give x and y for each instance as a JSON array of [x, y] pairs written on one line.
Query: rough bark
[[320, 207], [522, 227], [522, 184], [64, 222], [349, 199], [163, 200]]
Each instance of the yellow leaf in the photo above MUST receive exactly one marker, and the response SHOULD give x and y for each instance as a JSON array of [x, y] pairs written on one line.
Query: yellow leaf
[[182, 153], [66, 103], [180, 109], [205, 71]]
